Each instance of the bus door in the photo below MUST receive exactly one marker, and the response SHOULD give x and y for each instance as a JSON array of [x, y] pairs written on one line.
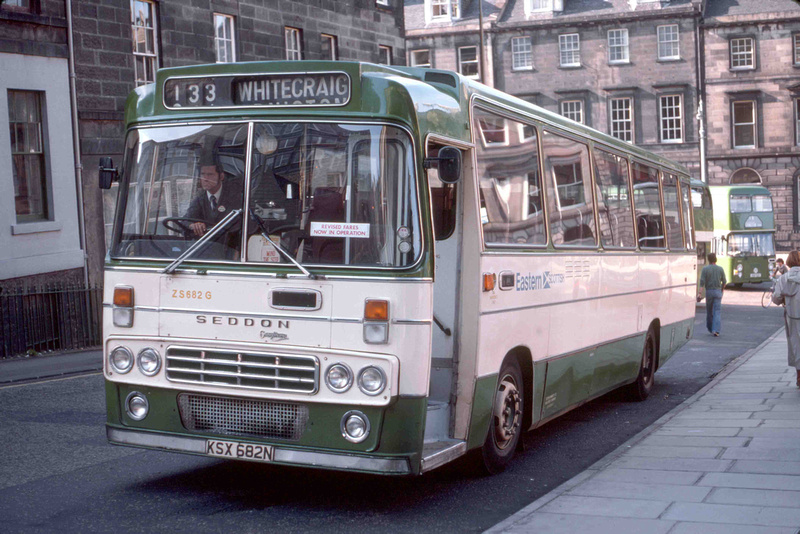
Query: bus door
[[447, 233]]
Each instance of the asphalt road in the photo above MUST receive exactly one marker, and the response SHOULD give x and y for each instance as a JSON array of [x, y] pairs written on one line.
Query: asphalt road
[[57, 473]]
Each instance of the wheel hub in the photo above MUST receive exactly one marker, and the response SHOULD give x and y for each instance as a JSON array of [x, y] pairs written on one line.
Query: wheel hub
[[507, 412]]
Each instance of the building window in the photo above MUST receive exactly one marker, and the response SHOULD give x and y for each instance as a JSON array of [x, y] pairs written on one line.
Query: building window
[[797, 121], [294, 43], [618, 46], [668, 43], [145, 48], [384, 55], [330, 47], [540, 5], [569, 48], [671, 118], [796, 40], [572, 109], [445, 9], [468, 62], [421, 58], [28, 155], [744, 124], [26, 6], [622, 118], [224, 39], [382, 3], [742, 53], [522, 57]]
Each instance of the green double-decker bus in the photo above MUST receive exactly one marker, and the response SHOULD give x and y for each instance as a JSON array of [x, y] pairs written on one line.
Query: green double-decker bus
[[744, 232]]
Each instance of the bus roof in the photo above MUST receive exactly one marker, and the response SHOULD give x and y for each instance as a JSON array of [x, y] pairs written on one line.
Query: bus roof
[[742, 189], [435, 101]]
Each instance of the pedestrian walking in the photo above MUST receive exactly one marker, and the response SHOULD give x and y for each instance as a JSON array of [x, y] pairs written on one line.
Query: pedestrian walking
[[787, 292], [712, 278]]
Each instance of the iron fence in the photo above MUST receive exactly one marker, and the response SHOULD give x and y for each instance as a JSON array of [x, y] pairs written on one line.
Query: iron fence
[[52, 318]]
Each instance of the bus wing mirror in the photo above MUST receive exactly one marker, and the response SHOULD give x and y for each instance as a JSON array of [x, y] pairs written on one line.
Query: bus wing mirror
[[449, 164], [108, 173]]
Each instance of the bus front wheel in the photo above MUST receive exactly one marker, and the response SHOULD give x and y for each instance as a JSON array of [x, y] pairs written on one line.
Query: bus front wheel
[[640, 390], [505, 426]]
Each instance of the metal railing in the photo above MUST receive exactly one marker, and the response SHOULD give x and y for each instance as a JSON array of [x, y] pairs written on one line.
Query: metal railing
[[48, 319]]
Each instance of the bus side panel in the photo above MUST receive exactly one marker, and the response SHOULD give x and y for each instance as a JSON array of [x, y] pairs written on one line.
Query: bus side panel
[[481, 410], [673, 337]]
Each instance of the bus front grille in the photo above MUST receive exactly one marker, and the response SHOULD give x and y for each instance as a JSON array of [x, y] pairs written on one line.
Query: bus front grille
[[254, 370], [242, 417]]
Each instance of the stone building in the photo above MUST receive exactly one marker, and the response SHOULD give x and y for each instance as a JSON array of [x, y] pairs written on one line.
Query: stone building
[[624, 67], [119, 44], [751, 62], [40, 222]]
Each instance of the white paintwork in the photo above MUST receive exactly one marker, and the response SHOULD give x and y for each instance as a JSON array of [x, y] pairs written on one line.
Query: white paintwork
[[46, 246]]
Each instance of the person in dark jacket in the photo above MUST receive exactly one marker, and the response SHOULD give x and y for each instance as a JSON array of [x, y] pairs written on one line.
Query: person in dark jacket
[[712, 278], [214, 201], [787, 292]]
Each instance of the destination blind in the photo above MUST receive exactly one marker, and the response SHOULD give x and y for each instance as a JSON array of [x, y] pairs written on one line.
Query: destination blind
[[262, 90]]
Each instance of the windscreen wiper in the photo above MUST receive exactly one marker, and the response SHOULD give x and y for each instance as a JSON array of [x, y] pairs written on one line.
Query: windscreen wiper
[[216, 229], [280, 249]]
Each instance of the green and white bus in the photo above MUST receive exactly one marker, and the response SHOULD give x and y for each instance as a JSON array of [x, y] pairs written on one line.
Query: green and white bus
[[399, 266], [744, 232], [703, 226]]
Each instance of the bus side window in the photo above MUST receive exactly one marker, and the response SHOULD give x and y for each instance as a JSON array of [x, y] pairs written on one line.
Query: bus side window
[[686, 208], [672, 211], [569, 188], [443, 200], [647, 203], [613, 200]]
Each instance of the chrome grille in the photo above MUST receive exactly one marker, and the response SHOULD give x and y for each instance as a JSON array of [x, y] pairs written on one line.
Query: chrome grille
[[254, 370], [242, 417]]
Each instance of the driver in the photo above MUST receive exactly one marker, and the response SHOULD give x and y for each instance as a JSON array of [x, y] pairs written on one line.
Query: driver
[[215, 199]]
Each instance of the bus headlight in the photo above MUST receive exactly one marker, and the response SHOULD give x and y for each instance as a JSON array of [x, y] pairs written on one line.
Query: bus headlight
[[149, 361], [121, 360], [137, 406], [355, 426], [371, 380], [339, 378], [739, 270]]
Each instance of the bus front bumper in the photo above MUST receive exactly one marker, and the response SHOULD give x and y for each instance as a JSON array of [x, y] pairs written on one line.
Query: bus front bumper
[[280, 455]]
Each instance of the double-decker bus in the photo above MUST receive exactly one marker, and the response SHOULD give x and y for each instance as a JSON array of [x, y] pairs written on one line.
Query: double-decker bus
[[744, 232], [351, 266], [703, 226]]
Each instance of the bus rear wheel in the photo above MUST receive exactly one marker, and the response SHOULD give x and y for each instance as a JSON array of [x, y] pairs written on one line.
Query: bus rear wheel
[[505, 426], [640, 390]]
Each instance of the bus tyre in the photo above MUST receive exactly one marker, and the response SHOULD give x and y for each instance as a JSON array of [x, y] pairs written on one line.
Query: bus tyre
[[505, 426], [640, 390]]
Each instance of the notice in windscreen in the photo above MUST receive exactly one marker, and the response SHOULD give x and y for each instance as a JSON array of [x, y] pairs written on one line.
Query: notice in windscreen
[[336, 229]]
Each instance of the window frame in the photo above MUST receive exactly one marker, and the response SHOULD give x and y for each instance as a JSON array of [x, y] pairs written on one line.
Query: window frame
[[630, 121], [296, 36], [515, 53], [796, 49], [627, 158], [476, 76], [44, 180], [548, 6], [150, 59], [448, 6], [229, 26], [581, 111], [662, 118], [733, 55], [796, 101], [623, 46], [573, 52], [754, 123], [676, 43], [384, 54], [334, 45], [413, 62]]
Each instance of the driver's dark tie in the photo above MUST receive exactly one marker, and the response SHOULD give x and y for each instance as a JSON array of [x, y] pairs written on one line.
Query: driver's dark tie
[[213, 203]]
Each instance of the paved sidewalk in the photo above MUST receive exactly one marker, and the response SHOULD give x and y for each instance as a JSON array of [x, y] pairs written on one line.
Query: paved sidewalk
[[51, 366], [725, 461]]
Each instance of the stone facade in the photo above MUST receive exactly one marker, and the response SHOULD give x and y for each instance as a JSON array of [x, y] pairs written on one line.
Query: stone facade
[[105, 64], [772, 84]]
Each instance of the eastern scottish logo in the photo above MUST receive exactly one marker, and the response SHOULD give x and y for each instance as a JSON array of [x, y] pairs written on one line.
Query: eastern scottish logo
[[537, 282]]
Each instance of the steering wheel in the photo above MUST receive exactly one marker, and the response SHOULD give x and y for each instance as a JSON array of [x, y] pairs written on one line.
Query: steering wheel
[[181, 225]]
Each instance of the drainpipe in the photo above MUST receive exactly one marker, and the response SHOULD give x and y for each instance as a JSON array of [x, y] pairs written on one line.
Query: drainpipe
[[76, 143], [699, 73], [480, 49]]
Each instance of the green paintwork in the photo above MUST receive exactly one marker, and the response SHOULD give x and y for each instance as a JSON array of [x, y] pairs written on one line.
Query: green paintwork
[[481, 410], [539, 377], [396, 429], [725, 221], [669, 344], [749, 264]]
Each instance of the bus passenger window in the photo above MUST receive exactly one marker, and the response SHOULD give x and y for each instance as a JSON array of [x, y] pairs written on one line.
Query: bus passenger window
[[688, 222], [614, 200], [672, 214], [569, 188], [443, 200], [510, 185], [647, 203]]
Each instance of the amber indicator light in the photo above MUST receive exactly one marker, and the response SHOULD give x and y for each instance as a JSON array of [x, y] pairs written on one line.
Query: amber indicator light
[[489, 281], [123, 297], [376, 310]]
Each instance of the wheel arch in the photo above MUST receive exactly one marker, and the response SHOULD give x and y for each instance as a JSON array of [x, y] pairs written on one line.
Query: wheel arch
[[525, 359]]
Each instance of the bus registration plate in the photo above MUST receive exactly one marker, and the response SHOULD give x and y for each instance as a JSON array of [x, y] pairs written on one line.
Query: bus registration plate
[[240, 451]]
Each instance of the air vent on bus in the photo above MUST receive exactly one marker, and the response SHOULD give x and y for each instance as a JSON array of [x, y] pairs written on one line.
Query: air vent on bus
[[440, 77], [295, 299], [252, 370]]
